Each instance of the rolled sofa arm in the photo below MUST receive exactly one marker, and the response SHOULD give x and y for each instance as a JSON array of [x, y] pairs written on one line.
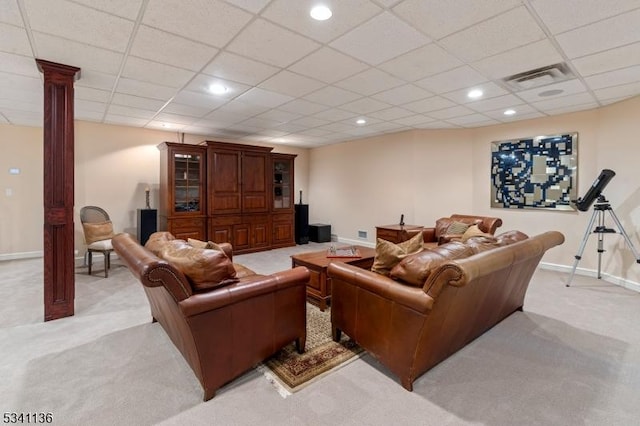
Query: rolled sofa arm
[[412, 297], [249, 287]]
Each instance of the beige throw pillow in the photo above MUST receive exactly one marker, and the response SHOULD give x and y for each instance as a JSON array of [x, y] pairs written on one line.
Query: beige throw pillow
[[474, 231], [389, 254], [97, 231]]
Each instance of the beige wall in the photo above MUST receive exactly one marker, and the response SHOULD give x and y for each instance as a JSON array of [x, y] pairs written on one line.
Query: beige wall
[[429, 174], [114, 164]]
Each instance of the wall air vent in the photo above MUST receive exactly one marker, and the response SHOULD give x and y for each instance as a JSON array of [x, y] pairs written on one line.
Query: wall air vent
[[539, 77]]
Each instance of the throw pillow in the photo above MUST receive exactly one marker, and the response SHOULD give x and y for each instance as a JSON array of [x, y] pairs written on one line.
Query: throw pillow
[[205, 268], [457, 228], [474, 231], [157, 241], [510, 237], [97, 231], [416, 268], [203, 244], [442, 225], [389, 254]]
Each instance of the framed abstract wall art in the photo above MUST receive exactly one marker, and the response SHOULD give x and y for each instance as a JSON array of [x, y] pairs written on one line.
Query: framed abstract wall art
[[539, 172]]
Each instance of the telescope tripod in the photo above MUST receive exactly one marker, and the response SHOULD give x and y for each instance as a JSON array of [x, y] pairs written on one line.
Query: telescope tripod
[[599, 209]]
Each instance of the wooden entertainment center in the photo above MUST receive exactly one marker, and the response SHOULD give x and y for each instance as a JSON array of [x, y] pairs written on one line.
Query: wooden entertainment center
[[226, 192]]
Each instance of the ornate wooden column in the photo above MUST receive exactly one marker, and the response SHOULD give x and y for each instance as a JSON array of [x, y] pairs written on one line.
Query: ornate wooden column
[[59, 279]]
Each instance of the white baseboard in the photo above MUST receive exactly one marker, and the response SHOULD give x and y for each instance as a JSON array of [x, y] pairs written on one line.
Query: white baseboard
[[24, 255], [355, 242], [622, 282]]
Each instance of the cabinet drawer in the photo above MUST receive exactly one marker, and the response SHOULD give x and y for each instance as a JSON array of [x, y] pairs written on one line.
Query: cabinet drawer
[[387, 235], [186, 223]]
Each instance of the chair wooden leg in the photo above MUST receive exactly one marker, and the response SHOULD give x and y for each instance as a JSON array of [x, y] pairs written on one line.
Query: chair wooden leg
[[90, 260]]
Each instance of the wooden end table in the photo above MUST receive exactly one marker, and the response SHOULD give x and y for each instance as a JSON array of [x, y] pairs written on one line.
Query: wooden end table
[[395, 233], [319, 285]]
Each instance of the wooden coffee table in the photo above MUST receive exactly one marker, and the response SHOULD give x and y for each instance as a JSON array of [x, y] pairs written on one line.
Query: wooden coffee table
[[319, 285]]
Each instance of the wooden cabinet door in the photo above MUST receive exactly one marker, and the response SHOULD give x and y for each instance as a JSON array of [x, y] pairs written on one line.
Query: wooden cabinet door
[[224, 184], [255, 186], [260, 234], [241, 237], [282, 230]]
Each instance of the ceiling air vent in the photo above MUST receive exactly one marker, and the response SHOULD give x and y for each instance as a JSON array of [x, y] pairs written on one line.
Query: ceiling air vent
[[539, 77]]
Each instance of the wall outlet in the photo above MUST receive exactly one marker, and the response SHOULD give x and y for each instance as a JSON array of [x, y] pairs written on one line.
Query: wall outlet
[[362, 234]]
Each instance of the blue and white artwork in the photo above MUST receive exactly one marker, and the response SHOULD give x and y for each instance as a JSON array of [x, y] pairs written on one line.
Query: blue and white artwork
[[538, 172]]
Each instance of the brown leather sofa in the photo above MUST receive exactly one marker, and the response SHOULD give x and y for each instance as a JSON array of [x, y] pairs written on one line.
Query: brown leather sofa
[[227, 330], [411, 328], [433, 236]]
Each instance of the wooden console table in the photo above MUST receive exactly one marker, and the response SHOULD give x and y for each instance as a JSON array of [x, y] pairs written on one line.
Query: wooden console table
[[319, 285], [395, 233]]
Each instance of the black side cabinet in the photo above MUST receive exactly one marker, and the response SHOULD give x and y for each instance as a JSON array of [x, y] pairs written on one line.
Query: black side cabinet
[[302, 223], [147, 224]]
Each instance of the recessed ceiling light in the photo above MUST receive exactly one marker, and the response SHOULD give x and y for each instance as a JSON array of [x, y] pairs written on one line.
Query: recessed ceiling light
[[474, 94], [509, 112], [320, 13], [361, 121], [218, 89]]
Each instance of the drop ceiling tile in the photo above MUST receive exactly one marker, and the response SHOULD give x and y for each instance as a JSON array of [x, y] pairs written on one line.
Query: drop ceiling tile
[[316, 132], [448, 113], [504, 102], [136, 102], [18, 64], [10, 100], [175, 118], [380, 39], [302, 106], [414, 120], [459, 78], [572, 108], [331, 96], [79, 23], [439, 18], [197, 130], [569, 87], [124, 8], [617, 92], [335, 114], [253, 6], [79, 114], [154, 72], [130, 112], [309, 122], [223, 120], [160, 46], [96, 80], [390, 114], [14, 40], [295, 16], [211, 22], [238, 108], [19, 83], [290, 128], [10, 14], [90, 106], [563, 102], [402, 95], [23, 118], [143, 89], [3, 120], [614, 78], [262, 97], [525, 58], [237, 68], [608, 60], [365, 106], [266, 42], [83, 56], [292, 84], [337, 127], [561, 16], [430, 104], [438, 124], [387, 3], [369, 82], [472, 120], [495, 35], [279, 116], [201, 83], [328, 65], [196, 99], [259, 123], [489, 89], [125, 120], [420, 63], [188, 110], [165, 125], [602, 35], [90, 94]]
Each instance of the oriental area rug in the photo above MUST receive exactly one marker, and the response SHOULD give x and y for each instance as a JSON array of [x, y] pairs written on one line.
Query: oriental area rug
[[290, 371]]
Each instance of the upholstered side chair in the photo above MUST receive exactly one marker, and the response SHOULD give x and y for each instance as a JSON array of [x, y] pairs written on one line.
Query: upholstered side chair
[[98, 231]]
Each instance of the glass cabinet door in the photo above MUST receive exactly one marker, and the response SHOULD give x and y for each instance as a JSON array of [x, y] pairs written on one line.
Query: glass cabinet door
[[187, 183], [282, 184]]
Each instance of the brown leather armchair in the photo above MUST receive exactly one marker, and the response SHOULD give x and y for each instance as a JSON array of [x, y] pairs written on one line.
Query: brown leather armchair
[[225, 331]]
